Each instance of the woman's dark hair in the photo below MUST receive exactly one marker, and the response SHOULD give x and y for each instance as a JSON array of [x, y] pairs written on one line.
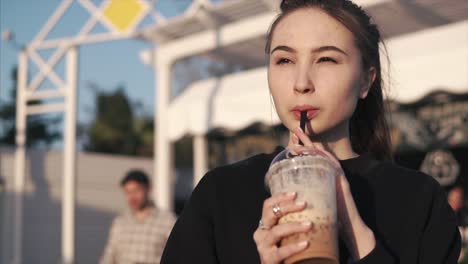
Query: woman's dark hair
[[369, 130]]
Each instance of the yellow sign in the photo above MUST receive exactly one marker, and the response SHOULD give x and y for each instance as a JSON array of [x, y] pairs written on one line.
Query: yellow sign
[[123, 15]]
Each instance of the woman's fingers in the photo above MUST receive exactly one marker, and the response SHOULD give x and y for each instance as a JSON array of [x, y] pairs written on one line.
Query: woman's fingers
[[278, 255], [298, 149], [268, 219], [287, 204], [289, 250], [267, 244], [295, 139], [286, 229], [278, 198], [310, 146], [284, 202], [303, 137]]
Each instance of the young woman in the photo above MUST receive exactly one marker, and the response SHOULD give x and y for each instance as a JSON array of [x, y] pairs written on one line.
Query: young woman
[[323, 59]]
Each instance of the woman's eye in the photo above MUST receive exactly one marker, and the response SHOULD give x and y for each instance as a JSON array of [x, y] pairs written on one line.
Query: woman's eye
[[283, 61], [326, 59]]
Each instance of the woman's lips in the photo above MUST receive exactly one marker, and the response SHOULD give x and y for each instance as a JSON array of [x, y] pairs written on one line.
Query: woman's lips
[[311, 113]]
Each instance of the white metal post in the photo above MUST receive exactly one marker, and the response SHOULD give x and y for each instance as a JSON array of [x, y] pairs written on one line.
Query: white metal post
[[163, 176], [69, 164], [200, 156], [20, 157]]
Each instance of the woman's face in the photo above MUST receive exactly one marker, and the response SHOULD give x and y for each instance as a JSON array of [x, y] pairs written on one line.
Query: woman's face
[[315, 66]]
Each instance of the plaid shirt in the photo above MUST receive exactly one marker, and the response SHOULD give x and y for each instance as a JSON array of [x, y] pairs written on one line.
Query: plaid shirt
[[134, 241]]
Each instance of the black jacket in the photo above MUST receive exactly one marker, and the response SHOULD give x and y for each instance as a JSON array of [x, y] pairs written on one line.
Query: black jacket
[[406, 209]]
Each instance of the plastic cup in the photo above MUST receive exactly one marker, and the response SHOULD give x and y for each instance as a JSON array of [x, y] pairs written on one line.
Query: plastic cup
[[313, 178]]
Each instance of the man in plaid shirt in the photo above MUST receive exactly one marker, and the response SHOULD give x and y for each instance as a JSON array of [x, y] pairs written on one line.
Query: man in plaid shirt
[[139, 236]]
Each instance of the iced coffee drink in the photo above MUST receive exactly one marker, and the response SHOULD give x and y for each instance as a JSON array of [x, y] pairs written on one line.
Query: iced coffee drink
[[313, 178]]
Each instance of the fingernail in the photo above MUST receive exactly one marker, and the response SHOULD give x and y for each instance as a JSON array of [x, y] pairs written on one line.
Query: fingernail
[[300, 203], [306, 223], [302, 244], [291, 194]]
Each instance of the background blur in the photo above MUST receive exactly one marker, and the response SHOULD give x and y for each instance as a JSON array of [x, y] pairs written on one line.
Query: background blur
[[175, 88]]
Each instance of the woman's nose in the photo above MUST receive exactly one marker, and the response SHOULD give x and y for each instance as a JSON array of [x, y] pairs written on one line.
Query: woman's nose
[[303, 83]]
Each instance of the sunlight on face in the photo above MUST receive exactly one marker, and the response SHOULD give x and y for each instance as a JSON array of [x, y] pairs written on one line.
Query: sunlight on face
[[136, 195], [315, 65]]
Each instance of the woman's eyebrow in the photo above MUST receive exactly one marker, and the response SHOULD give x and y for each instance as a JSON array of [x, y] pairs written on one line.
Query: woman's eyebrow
[[319, 49], [285, 48], [324, 48]]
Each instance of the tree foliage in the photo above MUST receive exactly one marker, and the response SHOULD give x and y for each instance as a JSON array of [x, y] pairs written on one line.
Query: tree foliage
[[117, 128], [41, 129]]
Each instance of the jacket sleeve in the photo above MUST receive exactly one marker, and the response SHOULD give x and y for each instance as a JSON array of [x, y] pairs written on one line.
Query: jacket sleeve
[[378, 255], [440, 241], [192, 239]]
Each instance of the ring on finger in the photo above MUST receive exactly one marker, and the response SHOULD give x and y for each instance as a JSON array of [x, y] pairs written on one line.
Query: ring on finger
[[263, 226], [277, 210]]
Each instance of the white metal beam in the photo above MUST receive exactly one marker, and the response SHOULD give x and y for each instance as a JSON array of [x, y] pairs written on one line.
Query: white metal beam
[[20, 158], [88, 26], [69, 165], [46, 69], [52, 21], [209, 19], [48, 94], [193, 8], [79, 40], [45, 108], [95, 12], [226, 35], [163, 176]]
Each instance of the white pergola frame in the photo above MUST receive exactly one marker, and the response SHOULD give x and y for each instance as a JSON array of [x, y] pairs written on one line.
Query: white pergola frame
[[66, 89]]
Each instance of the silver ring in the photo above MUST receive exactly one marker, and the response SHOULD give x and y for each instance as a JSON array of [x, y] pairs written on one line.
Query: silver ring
[[262, 226], [277, 211]]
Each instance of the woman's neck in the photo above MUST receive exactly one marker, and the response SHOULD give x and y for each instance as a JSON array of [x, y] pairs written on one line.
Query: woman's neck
[[338, 144]]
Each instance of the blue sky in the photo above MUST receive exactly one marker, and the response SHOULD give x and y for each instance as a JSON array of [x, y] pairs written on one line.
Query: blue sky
[[107, 64]]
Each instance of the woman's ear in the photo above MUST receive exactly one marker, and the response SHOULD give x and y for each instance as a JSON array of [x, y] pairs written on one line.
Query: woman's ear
[[368, 80]]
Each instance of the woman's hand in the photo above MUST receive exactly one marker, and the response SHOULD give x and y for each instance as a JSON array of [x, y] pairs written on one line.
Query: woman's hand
[[358, 237], [269, 232]]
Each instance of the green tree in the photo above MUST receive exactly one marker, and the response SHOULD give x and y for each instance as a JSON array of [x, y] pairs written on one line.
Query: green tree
[[40, 128], [116, 128]]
